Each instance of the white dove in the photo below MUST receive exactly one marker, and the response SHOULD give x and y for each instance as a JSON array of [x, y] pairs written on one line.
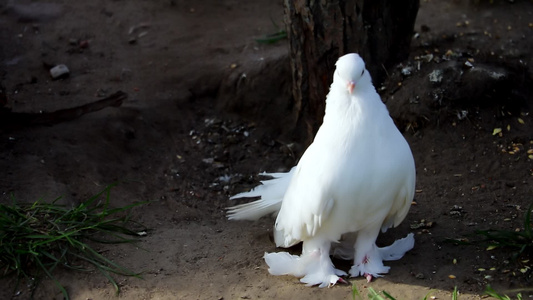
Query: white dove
[[355, 179]]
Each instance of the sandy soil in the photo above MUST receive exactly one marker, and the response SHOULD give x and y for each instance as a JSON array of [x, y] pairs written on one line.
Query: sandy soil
[[205, 114]]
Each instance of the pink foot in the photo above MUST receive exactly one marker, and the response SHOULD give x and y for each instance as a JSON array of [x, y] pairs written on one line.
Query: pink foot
[[368, 277], [341, 280]]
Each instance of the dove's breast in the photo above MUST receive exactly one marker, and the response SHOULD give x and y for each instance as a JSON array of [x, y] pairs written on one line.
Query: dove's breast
[[374, 180]]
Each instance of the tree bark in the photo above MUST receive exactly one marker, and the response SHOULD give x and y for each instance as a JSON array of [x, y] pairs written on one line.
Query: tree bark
[[319, 32]]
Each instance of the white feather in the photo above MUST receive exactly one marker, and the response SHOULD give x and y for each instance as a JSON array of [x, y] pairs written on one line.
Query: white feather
[[271, 193], [358, 176]]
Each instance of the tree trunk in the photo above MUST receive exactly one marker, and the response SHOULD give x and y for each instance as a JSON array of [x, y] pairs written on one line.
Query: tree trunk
[[319, 32]]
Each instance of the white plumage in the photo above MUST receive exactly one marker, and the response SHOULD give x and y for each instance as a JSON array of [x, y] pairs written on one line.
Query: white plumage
[[355, 179]]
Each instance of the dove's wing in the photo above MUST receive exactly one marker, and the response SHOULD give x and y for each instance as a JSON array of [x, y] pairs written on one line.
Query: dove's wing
[[307, 202], [403, 194]]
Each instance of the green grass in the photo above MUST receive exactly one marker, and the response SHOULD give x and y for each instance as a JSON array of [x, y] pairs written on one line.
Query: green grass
[[491, 292], [38, 237], [272, 38], [373, 295], [518, 242], [275, 37], [521, 242]]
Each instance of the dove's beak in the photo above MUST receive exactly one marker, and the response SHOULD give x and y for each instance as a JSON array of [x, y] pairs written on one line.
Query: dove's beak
[[351, 86]]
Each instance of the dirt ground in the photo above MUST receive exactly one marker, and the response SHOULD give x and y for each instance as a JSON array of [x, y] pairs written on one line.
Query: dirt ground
[[203, 118]]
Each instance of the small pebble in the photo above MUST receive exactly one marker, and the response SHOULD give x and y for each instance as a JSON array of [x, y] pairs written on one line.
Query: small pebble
[[59, 71], [435, 76], [407, 71], [83, 44]]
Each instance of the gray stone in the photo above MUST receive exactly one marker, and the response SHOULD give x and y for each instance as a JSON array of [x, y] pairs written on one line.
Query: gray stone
[[59, 71]]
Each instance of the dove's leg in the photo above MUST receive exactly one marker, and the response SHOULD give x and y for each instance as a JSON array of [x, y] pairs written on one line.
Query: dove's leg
[[367, 259], [320, 269], [314, 265]]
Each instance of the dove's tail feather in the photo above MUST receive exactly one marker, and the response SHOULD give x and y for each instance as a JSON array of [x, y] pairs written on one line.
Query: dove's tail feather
[[254, 210], [271, 192]]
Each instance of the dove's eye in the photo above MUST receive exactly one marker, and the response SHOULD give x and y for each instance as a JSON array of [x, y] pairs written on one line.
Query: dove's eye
[[363, 72]]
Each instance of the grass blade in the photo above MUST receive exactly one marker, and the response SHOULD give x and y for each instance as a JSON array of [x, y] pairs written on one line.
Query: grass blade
[[49, 235]]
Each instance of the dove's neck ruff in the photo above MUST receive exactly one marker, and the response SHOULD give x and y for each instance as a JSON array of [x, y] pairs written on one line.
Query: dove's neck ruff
[[353, 101], [363, 97]]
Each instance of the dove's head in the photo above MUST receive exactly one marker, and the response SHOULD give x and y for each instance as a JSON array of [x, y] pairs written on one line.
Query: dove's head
[[351, 72]]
